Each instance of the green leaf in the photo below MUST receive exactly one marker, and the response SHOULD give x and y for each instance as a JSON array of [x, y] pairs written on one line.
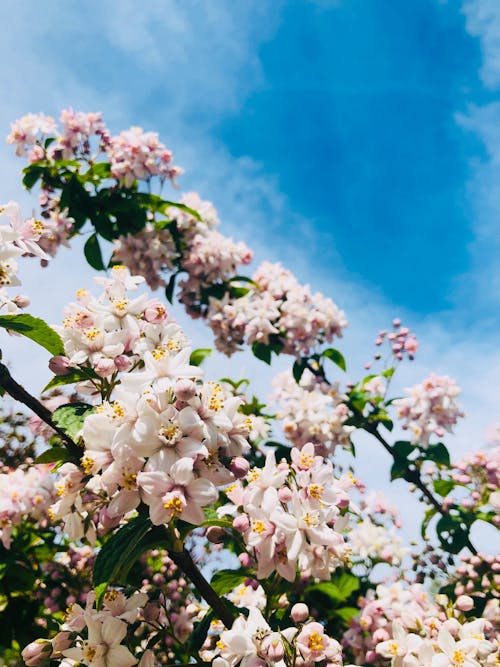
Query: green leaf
[[262, 352], [402, 449], [70, 417], [298, 369], [443, 486], [346, 613], [199, 633], [92, 252], [169, 289], [53, 454], [224, 581], [199, 355], [120, 551], [75, 375], [31, 175], [399, 469], [181, 207], [388, 373], [36, 329], [335, 356], [427, 517], [437, 453], [339, 589]]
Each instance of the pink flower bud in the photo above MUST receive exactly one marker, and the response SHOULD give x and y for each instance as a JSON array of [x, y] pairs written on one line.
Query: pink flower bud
[[299, 612], [155, 311], [21, 301], [285, 494], [272, 647], [61, 642], [37, 652], [185, 389], [60, 365], [105, 367], [122, 363], [245, 560], [465, 603], [216, 534], [396, 323], [239, 467], [241, 523]]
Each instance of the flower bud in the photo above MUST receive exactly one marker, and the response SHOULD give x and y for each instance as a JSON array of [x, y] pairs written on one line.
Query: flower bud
[[285, 494], [245, 560], [122, 363], [216, 534], [61, 642], [37, 652], [60, 365], [21, 301], [155, 311], [184, 389], [239, 467], [299, 612], [241, 523], [272, 647], [465, 603]]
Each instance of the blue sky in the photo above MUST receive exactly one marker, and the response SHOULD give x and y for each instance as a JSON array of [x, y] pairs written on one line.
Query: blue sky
[[356, 141]]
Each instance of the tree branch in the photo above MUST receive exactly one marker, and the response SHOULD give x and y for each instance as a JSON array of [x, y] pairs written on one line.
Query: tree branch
[[20, 394], [184, 562]]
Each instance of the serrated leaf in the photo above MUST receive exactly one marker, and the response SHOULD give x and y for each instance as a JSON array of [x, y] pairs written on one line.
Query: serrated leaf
[[93, 254], [199, 355], [335, 356], [53, 454], [35, 329], [225, 581], [70, 417], [262, 352], [120, 551]]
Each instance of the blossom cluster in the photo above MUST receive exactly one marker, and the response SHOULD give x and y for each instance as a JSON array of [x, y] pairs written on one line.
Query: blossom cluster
[[18, 237], [290, 515], [401, 341], [480, 472], [252, 642], [430, 408], [447, 644], [24, 495], [159, 434], [478, 576], [275, 305], [312, 411], [90, 636]]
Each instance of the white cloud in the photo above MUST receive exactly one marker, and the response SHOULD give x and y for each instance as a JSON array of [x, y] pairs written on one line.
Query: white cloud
[[483, 21]]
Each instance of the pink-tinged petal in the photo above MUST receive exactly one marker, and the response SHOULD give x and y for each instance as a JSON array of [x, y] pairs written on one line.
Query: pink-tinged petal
[[202, 492], [182, 471], [124, 502], [155, 483], [193, 514], [113, 631], [120, 656]]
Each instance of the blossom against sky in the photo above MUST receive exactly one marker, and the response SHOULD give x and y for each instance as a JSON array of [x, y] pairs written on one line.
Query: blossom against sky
[[356, 141]]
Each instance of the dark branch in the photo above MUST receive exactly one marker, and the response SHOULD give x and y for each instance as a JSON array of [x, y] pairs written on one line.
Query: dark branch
[[20, 394]]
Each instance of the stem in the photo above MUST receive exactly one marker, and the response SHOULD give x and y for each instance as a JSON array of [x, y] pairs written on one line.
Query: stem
[[184, 562], [413, 476], [20, 394]]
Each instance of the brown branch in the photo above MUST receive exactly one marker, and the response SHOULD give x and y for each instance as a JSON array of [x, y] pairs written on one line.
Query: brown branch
[[20, 394], [184, 562]]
